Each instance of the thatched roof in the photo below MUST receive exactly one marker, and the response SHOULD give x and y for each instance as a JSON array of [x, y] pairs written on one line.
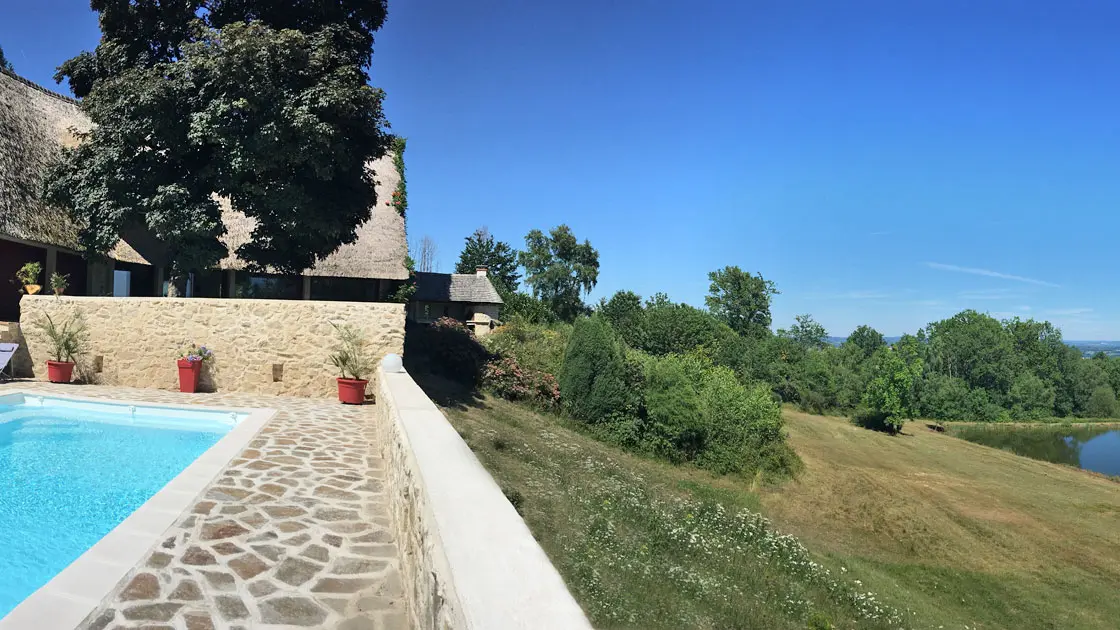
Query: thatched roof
[[35, 122], [455, 287], [379, 251]]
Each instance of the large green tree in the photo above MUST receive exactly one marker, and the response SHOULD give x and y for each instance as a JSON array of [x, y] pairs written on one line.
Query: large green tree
[[973, 346], [481, 250], [806, 332], [560, 270], [670, 328], [4, 63], [892, 393], [866, 339], [741, 300], [263, 102]]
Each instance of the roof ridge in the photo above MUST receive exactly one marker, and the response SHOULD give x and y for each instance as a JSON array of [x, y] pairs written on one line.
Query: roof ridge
[[32, 84]]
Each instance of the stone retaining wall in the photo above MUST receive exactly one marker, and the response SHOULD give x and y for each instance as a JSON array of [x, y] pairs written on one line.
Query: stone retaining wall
[[21, 360], [467, 559], [277, 347]]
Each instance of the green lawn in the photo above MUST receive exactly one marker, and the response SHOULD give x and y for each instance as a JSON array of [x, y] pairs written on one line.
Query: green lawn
[[920, 530], [967, 535]]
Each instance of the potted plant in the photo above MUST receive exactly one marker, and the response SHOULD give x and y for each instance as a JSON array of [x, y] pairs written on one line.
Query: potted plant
[[28, 277], [352, 358], [190, 363], [68, 342], [59, 283]]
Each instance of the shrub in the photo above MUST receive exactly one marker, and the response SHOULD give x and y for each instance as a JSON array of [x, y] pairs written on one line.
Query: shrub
[[593, 384], [535, 346], [451, 350], [505, 378], [680, 329], [676, 423], [524, 306], [700, 412], [744, 425], [876, 420]]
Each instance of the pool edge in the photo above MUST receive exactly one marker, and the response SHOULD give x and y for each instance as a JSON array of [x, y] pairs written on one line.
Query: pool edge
[[76, 592]]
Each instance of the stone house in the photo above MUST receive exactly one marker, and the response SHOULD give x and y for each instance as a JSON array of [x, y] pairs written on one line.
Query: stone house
[[35, 123], [468, 297]]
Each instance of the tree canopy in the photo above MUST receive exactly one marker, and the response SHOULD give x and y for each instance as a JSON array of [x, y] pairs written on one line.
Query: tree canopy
[[892, 392], [970, 366], [741, 300], [866, 339], [806, 332], [263, 102], [4, 63], [560, 270], [625, 314], [481, 250]]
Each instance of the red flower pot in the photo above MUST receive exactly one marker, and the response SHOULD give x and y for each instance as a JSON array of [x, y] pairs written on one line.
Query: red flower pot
[[188, 375], [60, 371], [351, 391]]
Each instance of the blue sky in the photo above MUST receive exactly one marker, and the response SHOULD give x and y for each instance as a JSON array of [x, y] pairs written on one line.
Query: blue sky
[[887, 163]]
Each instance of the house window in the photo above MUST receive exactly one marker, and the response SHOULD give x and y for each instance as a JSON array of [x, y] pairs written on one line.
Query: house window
[[266, 286], [344, 289], [122, 281]]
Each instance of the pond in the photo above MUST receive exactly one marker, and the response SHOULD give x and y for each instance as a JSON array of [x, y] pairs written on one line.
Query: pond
[[1091, 448]]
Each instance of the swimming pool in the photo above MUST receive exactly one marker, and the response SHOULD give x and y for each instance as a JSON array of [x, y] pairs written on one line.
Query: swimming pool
[[71, 470]]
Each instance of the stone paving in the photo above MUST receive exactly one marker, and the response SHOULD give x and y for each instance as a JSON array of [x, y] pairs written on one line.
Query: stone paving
[[295, 532]]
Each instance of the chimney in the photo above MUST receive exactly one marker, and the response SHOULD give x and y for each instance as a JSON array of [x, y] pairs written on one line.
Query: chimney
[[481, 271]]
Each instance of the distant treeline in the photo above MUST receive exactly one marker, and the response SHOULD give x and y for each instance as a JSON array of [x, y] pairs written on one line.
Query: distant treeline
[[968, 367]]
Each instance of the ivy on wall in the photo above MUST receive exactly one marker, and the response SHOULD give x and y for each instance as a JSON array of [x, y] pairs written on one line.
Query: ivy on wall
[[407, 288], [400, 195]]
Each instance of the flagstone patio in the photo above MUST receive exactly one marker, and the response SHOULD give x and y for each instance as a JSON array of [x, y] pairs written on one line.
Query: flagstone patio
[[295, 532]]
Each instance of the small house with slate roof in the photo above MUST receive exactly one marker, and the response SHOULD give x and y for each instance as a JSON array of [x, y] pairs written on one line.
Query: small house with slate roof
[[468, 297]]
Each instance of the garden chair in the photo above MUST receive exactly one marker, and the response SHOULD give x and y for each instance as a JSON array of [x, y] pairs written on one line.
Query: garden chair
[[7, 351]]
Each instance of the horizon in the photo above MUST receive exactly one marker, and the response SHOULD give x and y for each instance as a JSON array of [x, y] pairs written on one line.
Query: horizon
[[883, 165]]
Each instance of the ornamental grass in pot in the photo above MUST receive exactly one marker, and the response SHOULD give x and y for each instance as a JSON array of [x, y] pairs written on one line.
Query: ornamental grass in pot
[[68, 341], [191, 358], [352, 357]]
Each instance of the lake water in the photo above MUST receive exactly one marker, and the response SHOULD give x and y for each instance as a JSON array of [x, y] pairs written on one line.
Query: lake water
[[1091, 448]]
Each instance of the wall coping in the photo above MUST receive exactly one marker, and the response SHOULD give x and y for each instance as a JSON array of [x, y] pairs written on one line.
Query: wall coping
[[497, 572]]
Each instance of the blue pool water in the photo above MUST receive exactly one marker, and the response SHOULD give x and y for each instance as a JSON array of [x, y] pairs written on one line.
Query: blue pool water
[[71, 472]]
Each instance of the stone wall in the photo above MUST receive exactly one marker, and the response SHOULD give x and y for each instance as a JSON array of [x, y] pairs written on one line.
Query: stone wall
[[468, 560], [21, 361], [277, 347], [432, 601]]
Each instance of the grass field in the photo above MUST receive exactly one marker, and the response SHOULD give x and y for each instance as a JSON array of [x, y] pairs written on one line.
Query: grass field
[[966, 534], [921, 530]]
